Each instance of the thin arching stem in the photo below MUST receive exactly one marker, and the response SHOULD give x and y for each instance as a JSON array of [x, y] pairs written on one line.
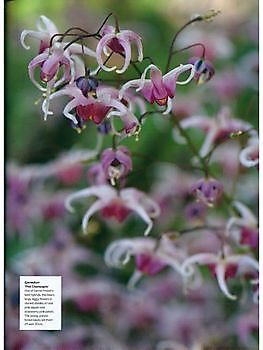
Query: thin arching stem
[[189, 47], [170, 53]]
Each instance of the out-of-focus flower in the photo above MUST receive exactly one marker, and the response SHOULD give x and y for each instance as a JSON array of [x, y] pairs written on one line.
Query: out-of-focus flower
[[150, 256], [204, 70], [70, 174], [249, 156], [243, 229], [119, 42], [217, 45], [227, 84], [116, 204], [247, 323], [207, 191], [159, 88], [195, 211], [217, 129], [116, 163], [223, 266]]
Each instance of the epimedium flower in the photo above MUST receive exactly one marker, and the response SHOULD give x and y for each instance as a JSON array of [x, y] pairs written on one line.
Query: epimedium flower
[[159, 88], [217, 129], [119, 41], [223, 266], [243, 229], [51, 58], [207, 190], [116, 163], [46, 29], [204, 70], [150, 256], [95, 109], [117, 204]]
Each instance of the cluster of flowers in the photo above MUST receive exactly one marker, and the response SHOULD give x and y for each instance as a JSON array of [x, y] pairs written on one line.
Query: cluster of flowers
[[63, 72], [227, 247]]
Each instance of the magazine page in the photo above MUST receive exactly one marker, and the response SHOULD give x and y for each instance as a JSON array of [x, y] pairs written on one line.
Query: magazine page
[[131, 175]]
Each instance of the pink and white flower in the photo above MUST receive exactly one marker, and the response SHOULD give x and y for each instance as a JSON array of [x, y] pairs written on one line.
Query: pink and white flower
[[119, 42], [243, 229], [151, 256], [216, 129], [159, 88], [117, 204], [95, 109], [51, 58], [223, 266]]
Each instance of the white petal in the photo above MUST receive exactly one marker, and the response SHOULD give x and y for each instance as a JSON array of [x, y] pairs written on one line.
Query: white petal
[[201, 258], [246, 213], [98, 205], [220, 274], [104, 192]]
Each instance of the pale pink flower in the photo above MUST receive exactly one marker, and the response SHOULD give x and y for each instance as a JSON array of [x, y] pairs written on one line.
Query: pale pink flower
[[223, 266], [118, 42], [150, 257], [118, 204], [217, 129], [243, 229]]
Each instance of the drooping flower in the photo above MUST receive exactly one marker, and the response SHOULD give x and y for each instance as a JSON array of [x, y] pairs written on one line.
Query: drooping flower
[[119, 42], [223, 266], [95, 109], [159, 88], [151, 256], [243, 229], [46, 29], [204, 70], [217, 129], [116, 163], [116, 204], [207, 191], [51, 58]]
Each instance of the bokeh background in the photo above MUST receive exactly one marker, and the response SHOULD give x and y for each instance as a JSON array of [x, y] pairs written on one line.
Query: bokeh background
[[233, 38]]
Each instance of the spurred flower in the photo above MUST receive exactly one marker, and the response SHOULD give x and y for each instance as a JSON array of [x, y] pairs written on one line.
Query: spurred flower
[[159, 88], [116, 204], [150, 256], [217, 129], [51, 58], [94, 109], [223, 266], [243, 229], [119, 42]]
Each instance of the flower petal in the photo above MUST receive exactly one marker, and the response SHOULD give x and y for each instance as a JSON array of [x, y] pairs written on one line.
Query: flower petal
[[102, 43], [99, 204], [220, 275], [104, 192], [127, 52]]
